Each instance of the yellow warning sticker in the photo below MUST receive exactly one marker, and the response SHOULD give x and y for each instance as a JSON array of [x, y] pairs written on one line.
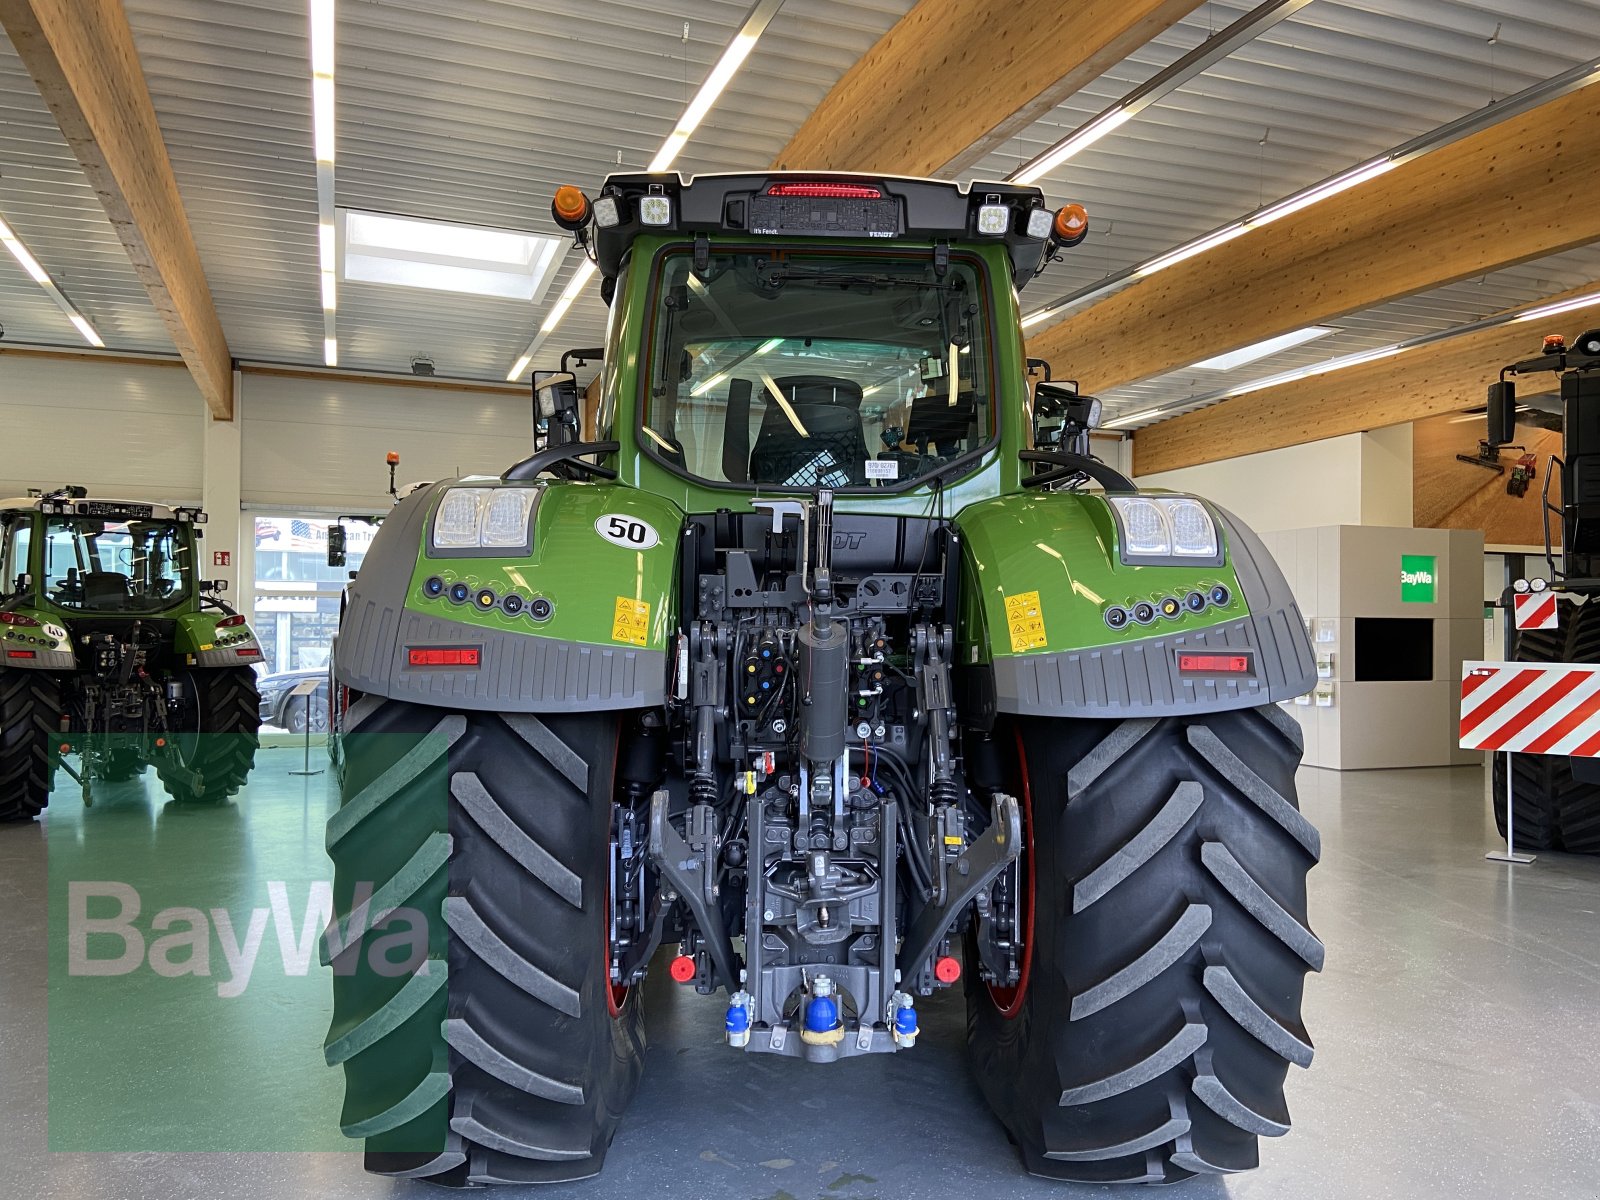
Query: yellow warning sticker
[[1026, 619], [631, 622], [207, 646]]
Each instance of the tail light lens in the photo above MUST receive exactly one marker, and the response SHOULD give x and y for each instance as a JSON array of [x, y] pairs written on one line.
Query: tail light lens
[[11, 618], [231, 622]]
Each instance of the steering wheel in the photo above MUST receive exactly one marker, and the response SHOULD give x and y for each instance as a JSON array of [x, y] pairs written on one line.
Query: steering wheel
[[565, 461], [1067, 464]]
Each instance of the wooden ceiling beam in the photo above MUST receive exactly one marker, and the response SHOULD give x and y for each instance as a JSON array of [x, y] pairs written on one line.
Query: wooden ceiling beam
[[955, 78], [82, 59], [1518, 190], [1441, 377]]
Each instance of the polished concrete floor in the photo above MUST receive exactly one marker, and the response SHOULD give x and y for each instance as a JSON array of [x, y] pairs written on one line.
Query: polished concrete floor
[[1457, 1024]]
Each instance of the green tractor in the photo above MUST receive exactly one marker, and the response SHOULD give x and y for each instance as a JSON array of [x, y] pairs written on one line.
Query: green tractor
[[818, 663], [113, 650]]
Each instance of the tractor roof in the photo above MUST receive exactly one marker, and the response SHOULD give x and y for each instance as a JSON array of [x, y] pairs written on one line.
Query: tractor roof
[[822, 206], [101, 506]]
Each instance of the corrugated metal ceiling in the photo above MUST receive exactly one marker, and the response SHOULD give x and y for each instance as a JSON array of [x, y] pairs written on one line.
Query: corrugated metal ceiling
[[476, 110]]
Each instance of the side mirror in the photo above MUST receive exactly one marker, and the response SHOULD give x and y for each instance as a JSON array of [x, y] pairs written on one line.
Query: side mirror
[[336, 545], [1062, 418], [1502, 413], [556, 418]]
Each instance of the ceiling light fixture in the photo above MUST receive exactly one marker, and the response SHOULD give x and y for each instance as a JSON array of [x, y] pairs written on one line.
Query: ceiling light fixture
[[1564, 306], [744, 41], [754, 25], [1262, 349], [39, 275], [1215, 48], [323, 119], [1582, 75]]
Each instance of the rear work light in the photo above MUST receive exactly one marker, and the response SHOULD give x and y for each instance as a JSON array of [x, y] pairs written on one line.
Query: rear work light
[[1215, 664], [443, 656], [834, 191]]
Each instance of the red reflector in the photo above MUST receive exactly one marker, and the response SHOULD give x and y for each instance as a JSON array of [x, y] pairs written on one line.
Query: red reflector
[[230, 622], [248, 652], [20, 654], [838, 191], [947, 969], [442, 656], [682, 968], [1225, 664]]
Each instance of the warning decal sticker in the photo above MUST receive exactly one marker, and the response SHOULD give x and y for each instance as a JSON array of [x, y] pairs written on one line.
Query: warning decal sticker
[[632, 621], [1026, 620]]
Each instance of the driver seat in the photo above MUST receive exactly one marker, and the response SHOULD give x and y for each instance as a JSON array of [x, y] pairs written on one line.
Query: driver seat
[[104, 589], [830, 448]]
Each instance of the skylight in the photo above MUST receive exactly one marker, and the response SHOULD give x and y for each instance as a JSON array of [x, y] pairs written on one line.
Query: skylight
[[411, 252]]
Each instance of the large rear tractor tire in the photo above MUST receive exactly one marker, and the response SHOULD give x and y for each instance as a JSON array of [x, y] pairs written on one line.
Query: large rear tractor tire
[[30, 724], [511, 1058], [1165, 945], [213, 759]]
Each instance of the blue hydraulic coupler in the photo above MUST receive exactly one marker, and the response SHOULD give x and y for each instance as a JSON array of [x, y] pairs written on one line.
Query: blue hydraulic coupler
[[736, 1026], [905, 1020], [822, 1014], [821, 1025]]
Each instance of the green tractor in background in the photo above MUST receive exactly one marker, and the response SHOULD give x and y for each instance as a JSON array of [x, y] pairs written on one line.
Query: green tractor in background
[[823, 665], [112, 649]]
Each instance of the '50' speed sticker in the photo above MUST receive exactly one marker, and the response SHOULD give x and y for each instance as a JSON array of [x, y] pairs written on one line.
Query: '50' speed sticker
[[628, 532]]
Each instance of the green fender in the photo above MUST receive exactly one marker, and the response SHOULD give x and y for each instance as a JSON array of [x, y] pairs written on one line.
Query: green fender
[[1041, 572], [580, 621]]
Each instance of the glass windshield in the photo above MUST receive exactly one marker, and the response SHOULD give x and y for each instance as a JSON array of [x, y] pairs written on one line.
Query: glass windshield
[[806, 370], [116, 566]]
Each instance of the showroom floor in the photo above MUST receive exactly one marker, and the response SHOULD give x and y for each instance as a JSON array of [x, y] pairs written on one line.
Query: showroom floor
[[1455, 1022]]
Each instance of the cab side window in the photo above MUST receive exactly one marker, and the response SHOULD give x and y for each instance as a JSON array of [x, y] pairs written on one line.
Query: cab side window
[[16, 536]]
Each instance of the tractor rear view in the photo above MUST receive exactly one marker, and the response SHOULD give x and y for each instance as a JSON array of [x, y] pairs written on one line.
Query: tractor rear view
[[112, 650], [1555, 798], [820, 664]]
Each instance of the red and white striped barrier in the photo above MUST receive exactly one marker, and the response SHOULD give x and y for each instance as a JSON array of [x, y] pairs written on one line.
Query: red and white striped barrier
[[1535, 610], [1531, 708]]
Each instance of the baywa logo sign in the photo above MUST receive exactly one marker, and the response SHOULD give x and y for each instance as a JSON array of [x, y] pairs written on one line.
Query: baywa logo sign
[[178, 940], [1419, 577]]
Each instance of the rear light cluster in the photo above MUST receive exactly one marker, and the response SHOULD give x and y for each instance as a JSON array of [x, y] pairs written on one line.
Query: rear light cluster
[[1215, 664], [230, 622], [826, 190], [11, 618], [443, 656]]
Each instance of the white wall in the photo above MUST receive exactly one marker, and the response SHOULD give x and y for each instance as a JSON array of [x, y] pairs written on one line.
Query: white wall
[[319, 444], [122, 429], [1358, 479]]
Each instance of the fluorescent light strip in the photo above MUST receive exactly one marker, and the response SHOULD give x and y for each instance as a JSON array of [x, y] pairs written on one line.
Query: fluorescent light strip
[[1189, 249], [1213, 50], [323, 19], [1582, 75], [39, 275], [744, 41], [754, 25], [1564, 306], [1081, 139], [1263, 349]]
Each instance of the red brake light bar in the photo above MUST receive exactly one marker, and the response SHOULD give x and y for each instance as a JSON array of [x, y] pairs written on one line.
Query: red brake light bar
[[21, 654], [1215, 664], [835, 191], [248, 652], [443, 656]]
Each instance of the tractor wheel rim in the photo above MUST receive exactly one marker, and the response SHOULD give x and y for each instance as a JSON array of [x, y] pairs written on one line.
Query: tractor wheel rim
[[1009, 1000]]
